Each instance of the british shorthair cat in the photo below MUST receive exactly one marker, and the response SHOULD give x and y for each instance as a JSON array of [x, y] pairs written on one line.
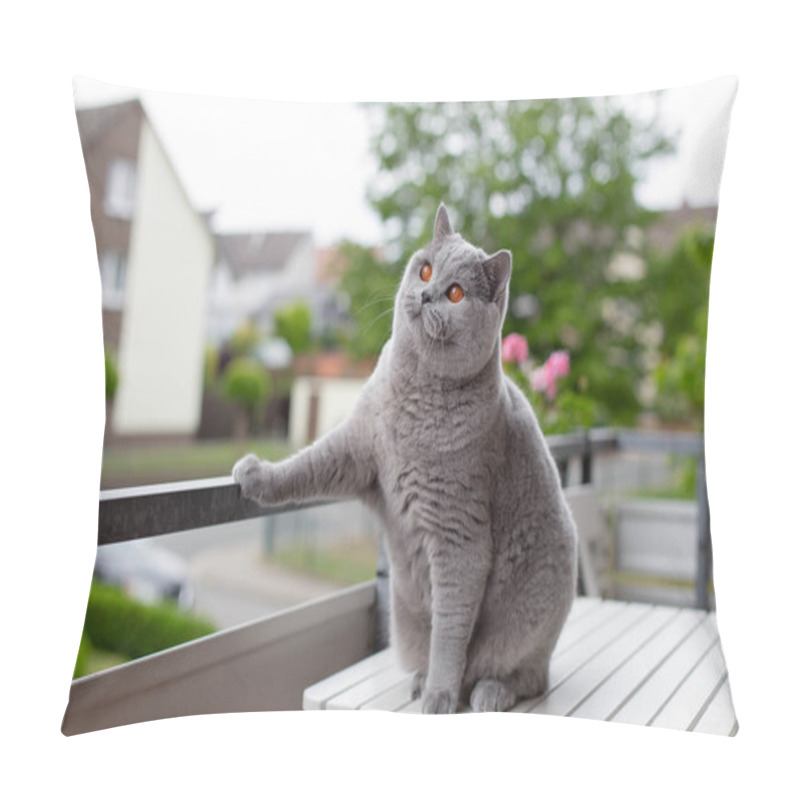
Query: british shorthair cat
[[447, 451]]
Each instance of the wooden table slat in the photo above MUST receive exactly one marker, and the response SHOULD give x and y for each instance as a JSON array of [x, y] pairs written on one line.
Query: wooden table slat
[[392, 699], [585, 618], [577, 686], [719, 716], [685, 706], [369, 688], [567, 661], [613, 692], [640, 707], [318, 695]]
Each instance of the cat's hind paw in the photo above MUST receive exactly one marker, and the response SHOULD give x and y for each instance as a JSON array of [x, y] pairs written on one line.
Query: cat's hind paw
[[490, 694]]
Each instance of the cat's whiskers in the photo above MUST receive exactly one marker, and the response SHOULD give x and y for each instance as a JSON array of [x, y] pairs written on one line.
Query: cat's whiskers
[[376, 319], [375, 300]]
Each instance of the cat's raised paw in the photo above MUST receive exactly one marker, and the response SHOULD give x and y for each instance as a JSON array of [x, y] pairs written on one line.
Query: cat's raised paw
[[251, 473], [439, 701], [491, 695]]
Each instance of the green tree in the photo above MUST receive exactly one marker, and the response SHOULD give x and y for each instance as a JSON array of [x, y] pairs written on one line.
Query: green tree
[[551, 180], [247, 384], [677, 300], [678, 285], [293, 323], [371, 284]]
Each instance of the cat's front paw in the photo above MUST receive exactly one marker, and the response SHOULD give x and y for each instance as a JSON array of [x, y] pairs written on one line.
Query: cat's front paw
[[253, 476], [439, 701]]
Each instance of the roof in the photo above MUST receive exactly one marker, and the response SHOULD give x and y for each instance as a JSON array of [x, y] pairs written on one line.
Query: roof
[[259, 251], [113, 131], [664, 232], [333, 364]]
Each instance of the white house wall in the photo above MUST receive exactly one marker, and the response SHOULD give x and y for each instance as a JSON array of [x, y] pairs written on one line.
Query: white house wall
[[163, 334], [299, 409], [298, 277], [336, 399]]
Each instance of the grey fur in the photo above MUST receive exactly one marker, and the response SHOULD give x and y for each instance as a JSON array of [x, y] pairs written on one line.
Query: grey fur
[[447, 451]]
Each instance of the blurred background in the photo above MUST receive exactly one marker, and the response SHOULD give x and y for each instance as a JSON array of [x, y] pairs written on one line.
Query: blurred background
[[249, 253]]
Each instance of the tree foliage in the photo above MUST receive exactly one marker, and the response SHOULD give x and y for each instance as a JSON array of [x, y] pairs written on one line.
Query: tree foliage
[[678, 302], [551, 180], [293, 323], [370, 283], [247, 384], [678, 286]]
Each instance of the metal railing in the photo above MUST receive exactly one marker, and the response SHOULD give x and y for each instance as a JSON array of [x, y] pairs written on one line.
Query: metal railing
[[148, 511]]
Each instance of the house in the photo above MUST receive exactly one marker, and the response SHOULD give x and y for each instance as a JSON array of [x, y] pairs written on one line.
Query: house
[[155, 253], [255, 273], [671, 224], [258, 272]]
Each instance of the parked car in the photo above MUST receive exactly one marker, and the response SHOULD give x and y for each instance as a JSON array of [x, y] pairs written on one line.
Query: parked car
[[145, 571]]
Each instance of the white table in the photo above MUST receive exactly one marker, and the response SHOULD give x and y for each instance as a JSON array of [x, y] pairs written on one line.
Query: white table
[[625, 662]]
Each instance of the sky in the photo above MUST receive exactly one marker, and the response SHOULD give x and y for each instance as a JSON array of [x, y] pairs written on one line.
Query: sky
[[264, 165]]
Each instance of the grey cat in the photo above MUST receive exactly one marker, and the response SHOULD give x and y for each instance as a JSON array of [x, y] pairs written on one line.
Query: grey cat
[[448, 452]]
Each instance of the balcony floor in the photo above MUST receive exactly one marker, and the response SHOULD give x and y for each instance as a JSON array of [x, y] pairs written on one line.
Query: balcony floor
[[624, 662]]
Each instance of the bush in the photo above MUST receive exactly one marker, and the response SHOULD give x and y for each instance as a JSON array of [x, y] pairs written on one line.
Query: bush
[[558, 407], [246, 383], [84, 654], [112, 376], [293, 323], [119, 624]]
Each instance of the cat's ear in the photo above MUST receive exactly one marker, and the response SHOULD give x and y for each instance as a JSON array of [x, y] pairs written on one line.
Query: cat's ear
[[441, 228], [497, 269]]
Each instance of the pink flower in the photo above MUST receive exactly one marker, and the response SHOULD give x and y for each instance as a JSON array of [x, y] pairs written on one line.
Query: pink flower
[[559, 361], [514, 348], [544, 378], [539, 380]]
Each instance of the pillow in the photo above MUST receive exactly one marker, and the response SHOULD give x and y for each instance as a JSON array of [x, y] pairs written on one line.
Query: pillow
[[248, 268]]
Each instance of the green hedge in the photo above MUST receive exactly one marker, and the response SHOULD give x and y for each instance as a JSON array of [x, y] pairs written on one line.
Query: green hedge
[[119, 624], [84, 655]]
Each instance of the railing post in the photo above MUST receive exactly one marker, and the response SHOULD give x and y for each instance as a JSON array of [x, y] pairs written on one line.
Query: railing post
[[586, 460], [703, 536]]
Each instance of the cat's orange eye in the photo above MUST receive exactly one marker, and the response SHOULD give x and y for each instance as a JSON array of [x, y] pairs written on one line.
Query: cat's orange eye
[[426, 272], [455, 294]]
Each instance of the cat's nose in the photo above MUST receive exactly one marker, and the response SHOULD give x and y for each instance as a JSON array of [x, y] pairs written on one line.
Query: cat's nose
[[426, 296]]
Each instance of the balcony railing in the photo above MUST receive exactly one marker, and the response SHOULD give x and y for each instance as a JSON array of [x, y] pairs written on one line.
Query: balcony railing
[[265, 665]]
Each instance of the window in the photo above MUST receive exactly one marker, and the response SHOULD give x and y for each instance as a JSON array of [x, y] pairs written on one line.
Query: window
[[120, 195], [113, 269]]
